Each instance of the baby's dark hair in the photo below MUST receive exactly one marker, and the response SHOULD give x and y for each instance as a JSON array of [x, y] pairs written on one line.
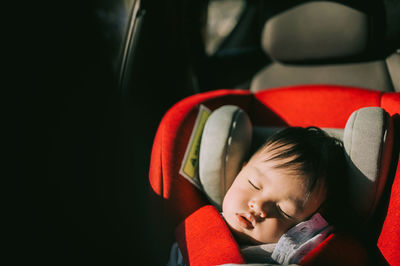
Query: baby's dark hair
[[317, 157]]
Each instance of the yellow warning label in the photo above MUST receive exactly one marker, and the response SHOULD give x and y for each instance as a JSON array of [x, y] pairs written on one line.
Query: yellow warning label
[[190, 164]]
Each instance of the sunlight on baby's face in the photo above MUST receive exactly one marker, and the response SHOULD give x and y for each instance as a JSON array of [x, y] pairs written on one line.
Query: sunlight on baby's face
[[264, 202]]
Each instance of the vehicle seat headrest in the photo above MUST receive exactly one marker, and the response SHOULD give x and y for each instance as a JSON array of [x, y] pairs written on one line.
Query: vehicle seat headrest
[[316, 31], [229, 136]]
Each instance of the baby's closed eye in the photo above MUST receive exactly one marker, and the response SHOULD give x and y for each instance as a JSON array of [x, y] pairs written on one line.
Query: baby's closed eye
[[253, 185], [283, 213]]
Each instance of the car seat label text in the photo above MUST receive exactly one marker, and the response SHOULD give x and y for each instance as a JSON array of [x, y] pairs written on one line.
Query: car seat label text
[[190, 164]]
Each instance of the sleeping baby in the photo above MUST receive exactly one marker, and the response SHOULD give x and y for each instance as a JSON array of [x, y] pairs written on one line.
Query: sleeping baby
[[279, 204]]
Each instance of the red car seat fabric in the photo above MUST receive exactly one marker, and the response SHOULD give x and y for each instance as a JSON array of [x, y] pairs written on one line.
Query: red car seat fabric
[[179, 196], [391, 102], [204, 232], [337, 249], [324, 106], [389, 239], [172, 196]]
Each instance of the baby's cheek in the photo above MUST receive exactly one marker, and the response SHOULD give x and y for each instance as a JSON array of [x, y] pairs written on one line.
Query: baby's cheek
[[226, 203], [235, 199], [272, 231]]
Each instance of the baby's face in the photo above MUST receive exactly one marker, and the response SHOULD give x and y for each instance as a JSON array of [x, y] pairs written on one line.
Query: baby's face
[[264, 202]]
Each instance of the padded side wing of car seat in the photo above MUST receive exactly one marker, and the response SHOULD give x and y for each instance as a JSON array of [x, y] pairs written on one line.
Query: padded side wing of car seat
[[337, 249], [171, 196], [171, 193], [389, 239], [205, 239], [391, 102]]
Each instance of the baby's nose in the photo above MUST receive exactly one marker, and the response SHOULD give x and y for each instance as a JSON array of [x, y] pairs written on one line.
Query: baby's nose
[[258, 209]]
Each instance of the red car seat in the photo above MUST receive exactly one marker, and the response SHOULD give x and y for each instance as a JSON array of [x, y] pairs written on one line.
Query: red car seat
[[180, 207]]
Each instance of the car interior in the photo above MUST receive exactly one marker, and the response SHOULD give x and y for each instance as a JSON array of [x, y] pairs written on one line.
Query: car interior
[[126, 87]]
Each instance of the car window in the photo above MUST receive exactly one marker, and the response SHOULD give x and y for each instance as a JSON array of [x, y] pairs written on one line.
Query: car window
[[113, 20]]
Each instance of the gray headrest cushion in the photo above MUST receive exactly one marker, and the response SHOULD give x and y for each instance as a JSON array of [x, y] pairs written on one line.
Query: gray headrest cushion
[[224, 146], [316, 31], [368, 142]]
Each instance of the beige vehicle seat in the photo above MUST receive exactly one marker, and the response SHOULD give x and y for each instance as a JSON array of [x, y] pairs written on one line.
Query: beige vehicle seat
[[322, 42]]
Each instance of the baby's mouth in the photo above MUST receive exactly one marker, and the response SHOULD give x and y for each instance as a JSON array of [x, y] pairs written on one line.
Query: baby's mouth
[[245, 220]]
